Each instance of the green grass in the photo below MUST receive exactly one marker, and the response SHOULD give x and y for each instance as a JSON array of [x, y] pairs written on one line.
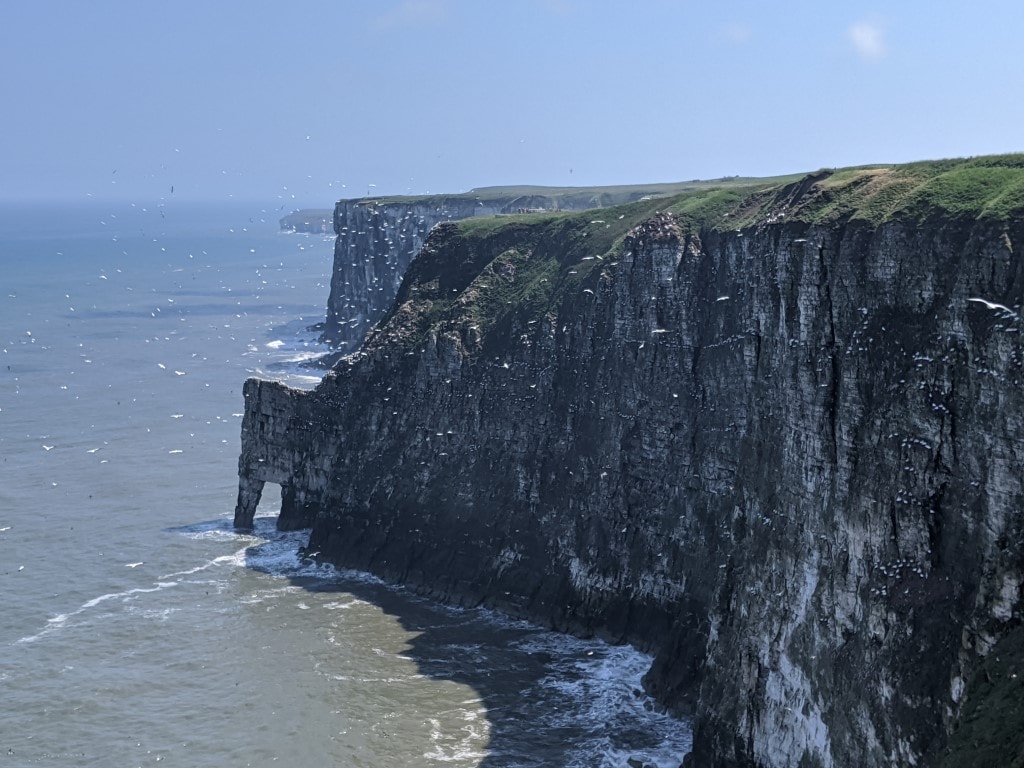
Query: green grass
[[990, 188], [979, 188], [967, 191], [489, 270], [481, 226], [710, 207], [595, 196]]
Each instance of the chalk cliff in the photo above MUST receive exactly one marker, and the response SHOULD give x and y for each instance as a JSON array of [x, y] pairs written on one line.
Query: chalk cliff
[[772, 435]]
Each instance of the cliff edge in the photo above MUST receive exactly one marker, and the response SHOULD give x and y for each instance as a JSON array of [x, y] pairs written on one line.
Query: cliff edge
[[772, 435], [377, 238]]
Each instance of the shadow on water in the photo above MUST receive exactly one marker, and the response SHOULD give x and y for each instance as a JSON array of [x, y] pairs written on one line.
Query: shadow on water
[[550, 700]]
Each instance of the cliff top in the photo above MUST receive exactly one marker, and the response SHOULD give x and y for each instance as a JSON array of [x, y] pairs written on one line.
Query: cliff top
[[488, 270], [575, 197], [982, 187], [989, 187]]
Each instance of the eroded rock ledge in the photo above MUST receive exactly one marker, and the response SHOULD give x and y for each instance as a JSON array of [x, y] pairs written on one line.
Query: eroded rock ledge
[[775, 441]]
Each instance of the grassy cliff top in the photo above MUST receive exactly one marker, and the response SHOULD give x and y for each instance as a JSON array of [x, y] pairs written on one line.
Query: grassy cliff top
[[990, 187], [494, 270], [980, 187], [597, 197]]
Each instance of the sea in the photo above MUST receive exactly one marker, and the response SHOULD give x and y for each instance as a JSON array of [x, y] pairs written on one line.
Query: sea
[[137, 627]]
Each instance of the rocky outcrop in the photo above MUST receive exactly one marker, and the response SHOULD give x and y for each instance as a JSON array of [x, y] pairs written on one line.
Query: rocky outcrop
[[283, 439], [309, 220], [775, 439]]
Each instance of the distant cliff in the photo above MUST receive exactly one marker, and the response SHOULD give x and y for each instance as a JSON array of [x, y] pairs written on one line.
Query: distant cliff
[[378, 237], [311, 220], [774, 436]]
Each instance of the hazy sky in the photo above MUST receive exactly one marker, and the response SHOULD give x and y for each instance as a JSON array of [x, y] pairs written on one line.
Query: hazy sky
[[262, 101]]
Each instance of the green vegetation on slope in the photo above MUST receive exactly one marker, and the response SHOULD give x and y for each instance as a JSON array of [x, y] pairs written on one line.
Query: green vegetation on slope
[[484, 271], [491, 270], [984, 187], [576, 197]]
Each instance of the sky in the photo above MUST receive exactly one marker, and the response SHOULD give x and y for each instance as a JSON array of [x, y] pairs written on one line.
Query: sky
[[299, 104]]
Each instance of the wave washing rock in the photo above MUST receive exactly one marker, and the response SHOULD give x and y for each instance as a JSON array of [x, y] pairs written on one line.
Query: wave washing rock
[[772, 435], [378, 237]]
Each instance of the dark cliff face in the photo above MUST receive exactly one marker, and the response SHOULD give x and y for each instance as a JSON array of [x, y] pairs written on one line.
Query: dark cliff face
[[783, 454], [376, 242]]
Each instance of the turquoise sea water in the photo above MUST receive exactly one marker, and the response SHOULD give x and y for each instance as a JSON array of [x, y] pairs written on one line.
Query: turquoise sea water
[[138, 627]]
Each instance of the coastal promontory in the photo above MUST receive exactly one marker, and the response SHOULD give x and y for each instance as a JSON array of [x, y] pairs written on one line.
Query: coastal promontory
[[770, 431]]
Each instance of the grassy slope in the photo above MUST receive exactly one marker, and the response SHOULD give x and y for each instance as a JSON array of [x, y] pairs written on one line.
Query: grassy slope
[[600, 196], [490, 268], [989, 187], [485, 270]]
